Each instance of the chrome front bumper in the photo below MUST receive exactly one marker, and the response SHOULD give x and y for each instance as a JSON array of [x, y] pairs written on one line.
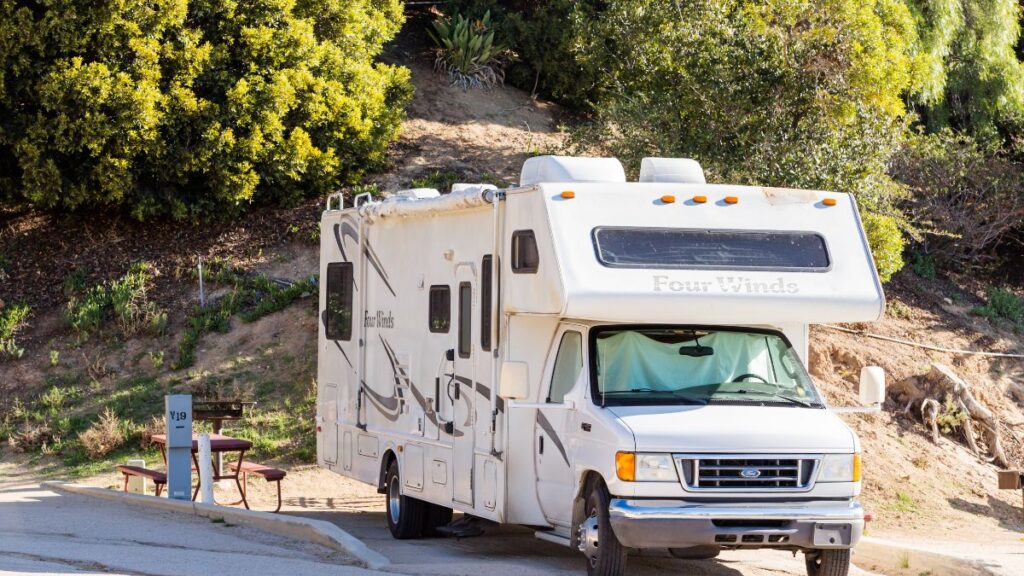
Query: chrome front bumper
[[678, 524]]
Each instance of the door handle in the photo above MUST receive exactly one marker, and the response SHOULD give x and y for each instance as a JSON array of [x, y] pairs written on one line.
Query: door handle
[[541, 448]]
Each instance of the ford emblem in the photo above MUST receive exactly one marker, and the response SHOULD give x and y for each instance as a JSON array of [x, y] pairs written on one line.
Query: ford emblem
[[750, 473]]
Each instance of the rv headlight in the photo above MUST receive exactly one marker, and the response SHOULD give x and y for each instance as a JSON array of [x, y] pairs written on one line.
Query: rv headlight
[[655, 468], [645, 467], [840, 468]]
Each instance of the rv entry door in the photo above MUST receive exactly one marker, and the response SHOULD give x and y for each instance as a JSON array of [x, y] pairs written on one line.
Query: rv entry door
[[555, 425], [463, 413]]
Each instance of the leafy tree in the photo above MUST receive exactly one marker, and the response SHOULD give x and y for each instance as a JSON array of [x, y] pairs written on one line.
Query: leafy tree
[[193, 106], [803, 93], [972, 78]]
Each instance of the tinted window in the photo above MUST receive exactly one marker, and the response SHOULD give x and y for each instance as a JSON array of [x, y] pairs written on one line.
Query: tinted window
[[465, 318], [440, 318], [568, 365], [339, 301], [710, 249], [525, 259], [485, 302]]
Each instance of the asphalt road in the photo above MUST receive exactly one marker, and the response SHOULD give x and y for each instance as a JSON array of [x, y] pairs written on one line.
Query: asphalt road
[[42, 532], [515, 551]]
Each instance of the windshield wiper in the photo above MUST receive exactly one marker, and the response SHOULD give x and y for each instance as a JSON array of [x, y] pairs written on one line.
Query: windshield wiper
[[778, 396], [676, 394]]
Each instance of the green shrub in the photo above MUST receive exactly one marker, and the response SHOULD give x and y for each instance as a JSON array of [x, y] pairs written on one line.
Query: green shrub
[[467, 52], [12, 319], [125, 299], [545, 37], [886, 242], [923, 265], [438, 180], [193, 108], [1002, 304]]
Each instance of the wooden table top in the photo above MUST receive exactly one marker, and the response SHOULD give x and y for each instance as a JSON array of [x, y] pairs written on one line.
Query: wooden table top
[[218, 443]]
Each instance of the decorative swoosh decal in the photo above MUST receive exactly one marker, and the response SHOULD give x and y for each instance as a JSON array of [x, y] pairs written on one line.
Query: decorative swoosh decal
[[417, 396], [548, 429], [375, 262], [481, 389]]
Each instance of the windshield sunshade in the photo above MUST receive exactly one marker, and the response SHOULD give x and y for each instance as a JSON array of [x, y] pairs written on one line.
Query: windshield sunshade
[[710, 249], [679, 365]]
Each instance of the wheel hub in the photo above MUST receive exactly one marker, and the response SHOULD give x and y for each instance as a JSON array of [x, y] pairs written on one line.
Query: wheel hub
[[394, 499], [588, 538]]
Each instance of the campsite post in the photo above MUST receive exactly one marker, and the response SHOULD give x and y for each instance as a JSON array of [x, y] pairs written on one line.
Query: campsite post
[[178, 415]]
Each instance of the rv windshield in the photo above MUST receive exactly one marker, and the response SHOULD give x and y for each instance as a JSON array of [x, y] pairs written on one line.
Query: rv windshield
[[682, 365]]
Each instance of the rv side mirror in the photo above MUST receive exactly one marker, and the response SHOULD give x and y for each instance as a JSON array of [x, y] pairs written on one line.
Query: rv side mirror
[[515, 381], [872, 386]]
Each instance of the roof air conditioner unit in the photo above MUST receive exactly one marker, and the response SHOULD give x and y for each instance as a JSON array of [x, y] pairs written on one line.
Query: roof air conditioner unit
[[679, 170], [571, 169]]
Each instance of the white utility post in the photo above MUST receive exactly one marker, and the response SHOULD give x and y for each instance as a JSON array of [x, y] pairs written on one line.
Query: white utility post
[[205, 470]]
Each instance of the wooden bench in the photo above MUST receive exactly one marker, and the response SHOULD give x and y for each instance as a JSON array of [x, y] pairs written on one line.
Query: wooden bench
[[269, 474], [159, 478]]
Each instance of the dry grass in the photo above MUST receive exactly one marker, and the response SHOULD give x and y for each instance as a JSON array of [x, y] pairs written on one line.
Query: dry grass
[[104, 436]]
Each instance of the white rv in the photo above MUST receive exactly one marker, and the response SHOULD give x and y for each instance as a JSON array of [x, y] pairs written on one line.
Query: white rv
[[619, 364]]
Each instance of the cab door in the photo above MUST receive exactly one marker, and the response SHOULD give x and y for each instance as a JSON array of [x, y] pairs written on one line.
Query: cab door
[[555, 425]]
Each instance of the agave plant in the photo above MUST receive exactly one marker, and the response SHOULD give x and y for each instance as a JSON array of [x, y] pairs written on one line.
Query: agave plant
[[467, 52]]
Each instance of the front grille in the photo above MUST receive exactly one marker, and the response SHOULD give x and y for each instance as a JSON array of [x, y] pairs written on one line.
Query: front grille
[[731, 473]]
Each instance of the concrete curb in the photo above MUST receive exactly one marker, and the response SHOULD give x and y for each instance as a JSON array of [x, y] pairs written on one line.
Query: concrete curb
[[897, 558], [306, 529]]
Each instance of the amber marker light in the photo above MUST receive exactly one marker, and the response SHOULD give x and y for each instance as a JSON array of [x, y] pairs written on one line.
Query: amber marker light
[[625, 466], [700, 199], [732, 200], [829, 201], [856, 467], [568, 195], [668, 199]]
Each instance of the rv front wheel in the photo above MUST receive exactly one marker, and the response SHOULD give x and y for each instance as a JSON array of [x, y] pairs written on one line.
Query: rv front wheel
[[827, 562], [405, 514], [605, 555]]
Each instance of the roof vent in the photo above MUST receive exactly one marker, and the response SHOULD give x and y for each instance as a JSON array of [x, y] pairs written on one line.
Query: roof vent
[[571, 169], [459, 187], [413, 194], [679, 170]]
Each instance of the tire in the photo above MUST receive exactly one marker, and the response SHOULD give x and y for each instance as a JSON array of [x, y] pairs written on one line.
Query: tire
[[405, 514], [434, 517], [695, 553], [606, 556], [827, 562]]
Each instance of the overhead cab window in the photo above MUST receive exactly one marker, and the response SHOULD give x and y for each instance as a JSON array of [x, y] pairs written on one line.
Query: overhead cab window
[[338, 324], [677, 248], [525, 259], [440, 309]]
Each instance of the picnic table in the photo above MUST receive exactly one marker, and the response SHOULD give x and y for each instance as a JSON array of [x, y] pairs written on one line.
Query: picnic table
[[219, 444]]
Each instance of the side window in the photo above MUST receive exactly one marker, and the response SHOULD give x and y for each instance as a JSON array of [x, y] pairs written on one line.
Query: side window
[[525, 258], [465, 319], [485, 301], [440, 309], [339, 301], [568, 365]]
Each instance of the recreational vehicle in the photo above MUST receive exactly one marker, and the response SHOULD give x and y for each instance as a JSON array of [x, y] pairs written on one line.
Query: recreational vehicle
[[620, 365]]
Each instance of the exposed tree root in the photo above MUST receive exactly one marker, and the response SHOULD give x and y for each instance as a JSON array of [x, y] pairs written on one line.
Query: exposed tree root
[[939, 382]]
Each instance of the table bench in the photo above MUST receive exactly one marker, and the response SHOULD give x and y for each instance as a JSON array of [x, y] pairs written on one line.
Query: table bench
[[268, 473], [159, 478]]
